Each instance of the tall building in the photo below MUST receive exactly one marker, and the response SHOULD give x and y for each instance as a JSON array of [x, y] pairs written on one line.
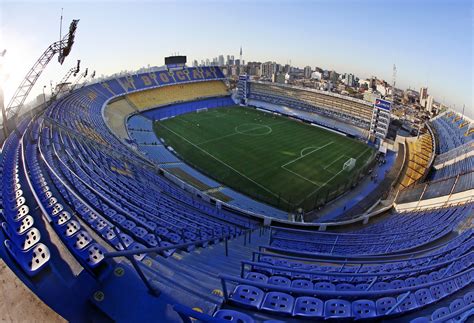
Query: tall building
[[221, 60], [333, 76], [349, 79], [424, 98], [423, 93], [307, 72], [254, 68], [429, 104], [268, 69], [373, 83], [325, 75]]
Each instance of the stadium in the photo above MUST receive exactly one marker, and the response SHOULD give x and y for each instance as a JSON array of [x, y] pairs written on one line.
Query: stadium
[[170, 195]]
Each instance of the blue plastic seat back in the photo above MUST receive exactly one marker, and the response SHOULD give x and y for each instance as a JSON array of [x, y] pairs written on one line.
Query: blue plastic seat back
[[469, 298], [408, 302], [278, 302], [324, 286], [302, 283], [280, 281], [440, 313], [361, 286], [450, 286], [233, 316], [423, 279], [382, 305], [337, 308], [249, 296], [397, 284], [423, 296], [437, 291], [258, 277], [381, 286], [308, 307], [363, 309], [411, 282], [345, 286], [457, 304]]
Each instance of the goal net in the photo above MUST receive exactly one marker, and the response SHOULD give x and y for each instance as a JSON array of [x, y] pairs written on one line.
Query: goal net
[[201, 110], [349, 164]]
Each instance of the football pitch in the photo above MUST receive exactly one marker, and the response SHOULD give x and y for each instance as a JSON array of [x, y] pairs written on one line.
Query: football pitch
[[274, 159]]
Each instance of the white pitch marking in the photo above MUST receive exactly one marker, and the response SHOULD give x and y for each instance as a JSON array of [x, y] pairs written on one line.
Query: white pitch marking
[[302, 156], [239, 133], [300, 176], [335, 160], [298, 158], [331, 178], [315, 191], [212, 156]]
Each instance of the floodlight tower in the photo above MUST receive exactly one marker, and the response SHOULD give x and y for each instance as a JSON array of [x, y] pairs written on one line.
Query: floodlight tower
[[63, 48], [90, 78], [73, 71], [77, 80]]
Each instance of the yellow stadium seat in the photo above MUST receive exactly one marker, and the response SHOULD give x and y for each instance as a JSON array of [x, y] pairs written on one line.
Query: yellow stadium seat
[[176, 93]]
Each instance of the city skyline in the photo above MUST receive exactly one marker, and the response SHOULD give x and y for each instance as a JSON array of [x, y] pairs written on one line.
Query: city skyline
[[364, 38]]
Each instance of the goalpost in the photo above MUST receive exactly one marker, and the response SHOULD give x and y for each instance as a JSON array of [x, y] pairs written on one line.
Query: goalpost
[[349, 164], [201, 110]]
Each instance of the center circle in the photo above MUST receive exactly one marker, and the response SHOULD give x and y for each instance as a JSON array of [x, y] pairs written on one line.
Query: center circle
[[253, 129]]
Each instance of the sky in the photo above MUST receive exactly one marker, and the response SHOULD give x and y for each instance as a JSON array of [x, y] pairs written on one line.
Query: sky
[[429, 41]]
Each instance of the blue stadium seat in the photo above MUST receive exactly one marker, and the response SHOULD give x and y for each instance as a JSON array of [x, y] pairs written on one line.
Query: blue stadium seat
[[256, 277], [385, 304], [440, 313], [302, 283], [363, 309], [233, 316], [423, 297], [278, 302], [248, 296], [337, 309], [306, 306], [279, 281]]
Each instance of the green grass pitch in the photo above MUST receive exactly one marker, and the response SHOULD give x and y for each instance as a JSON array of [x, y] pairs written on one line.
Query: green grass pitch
[[274, 159]]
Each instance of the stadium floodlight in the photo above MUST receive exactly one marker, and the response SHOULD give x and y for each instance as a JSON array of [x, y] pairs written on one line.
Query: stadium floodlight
[[73, 71], [76, 81], [63, 48], [91, 76]]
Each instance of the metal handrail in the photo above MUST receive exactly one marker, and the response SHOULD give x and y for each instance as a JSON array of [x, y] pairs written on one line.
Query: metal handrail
[[450, 264], [334, 293], [181, 246]]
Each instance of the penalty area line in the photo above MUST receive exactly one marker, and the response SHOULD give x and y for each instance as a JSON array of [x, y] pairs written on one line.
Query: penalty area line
[[302, 156]]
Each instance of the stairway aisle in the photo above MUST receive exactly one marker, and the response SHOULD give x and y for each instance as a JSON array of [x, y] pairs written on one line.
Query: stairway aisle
[[191, 278]]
